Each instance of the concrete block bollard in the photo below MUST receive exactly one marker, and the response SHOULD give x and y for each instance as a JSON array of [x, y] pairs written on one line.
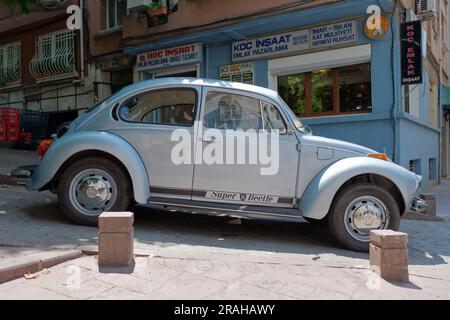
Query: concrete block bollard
[[389, 255], [116, 236], [431, 203]]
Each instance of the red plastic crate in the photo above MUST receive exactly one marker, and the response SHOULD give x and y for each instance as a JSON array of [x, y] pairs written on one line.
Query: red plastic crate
[[2, 133], [10, 119]]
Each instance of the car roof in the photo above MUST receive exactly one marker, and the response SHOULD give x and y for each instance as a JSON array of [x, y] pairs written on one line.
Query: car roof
[[201, 82]]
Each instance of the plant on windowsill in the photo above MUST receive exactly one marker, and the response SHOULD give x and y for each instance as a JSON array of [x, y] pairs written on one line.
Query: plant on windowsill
[[157, 14], [156, 9]]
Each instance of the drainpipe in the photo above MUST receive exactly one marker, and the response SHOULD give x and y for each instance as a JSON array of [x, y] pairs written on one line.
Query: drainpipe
[[82, 39]]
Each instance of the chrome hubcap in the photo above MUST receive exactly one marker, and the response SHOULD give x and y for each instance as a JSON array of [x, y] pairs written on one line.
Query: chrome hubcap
[[365, 214], [93, 191]]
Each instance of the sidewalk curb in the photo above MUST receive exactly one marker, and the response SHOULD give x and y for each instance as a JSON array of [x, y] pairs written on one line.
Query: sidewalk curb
[[17, 271], [421, 217]]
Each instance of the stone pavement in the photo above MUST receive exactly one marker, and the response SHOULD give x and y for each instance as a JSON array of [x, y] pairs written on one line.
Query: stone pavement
[[11, 159], [202, 257], [208, 277]]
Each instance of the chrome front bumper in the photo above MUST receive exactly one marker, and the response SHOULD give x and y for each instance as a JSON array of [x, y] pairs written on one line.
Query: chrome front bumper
[[419, 205]]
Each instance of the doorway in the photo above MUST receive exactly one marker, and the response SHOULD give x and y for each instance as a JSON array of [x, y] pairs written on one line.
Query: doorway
[[187, 74]]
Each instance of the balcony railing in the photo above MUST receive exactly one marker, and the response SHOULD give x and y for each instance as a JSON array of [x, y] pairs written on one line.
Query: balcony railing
[[55, 56], [10, 63]]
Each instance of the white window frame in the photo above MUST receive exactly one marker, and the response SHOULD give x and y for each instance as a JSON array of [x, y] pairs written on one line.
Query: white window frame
[[116, 25], [10, 62], [58, 61]]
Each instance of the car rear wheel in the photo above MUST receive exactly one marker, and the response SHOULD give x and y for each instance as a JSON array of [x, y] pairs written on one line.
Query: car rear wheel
[[91, 186], [357, 210]]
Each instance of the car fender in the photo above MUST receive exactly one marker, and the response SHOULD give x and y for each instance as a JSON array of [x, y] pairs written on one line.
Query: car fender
[[318, 196], [67, 146]]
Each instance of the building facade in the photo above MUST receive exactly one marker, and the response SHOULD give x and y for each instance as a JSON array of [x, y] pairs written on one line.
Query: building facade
[[41, 63], [343, 81], [341, 78]]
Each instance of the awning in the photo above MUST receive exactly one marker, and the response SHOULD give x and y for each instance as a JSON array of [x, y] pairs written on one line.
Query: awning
[[446, 97]]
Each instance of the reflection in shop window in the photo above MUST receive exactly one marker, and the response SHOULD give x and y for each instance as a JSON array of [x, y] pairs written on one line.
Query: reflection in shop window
[[355, 89], [322, 91], [292, 90], [328, 91]]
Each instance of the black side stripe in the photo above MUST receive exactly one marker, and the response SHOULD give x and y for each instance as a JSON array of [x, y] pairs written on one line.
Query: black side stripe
[[201, 194]]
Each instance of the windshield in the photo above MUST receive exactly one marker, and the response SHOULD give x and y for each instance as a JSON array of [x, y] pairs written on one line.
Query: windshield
[[297, 123]]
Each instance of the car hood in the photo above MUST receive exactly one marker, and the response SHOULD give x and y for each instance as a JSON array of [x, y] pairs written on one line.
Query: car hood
[[335, 144]]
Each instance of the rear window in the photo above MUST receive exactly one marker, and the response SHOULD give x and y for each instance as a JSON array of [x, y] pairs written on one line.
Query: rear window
[[164, 107]]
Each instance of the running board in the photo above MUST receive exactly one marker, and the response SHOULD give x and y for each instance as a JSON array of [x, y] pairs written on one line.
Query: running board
[[216, 208]]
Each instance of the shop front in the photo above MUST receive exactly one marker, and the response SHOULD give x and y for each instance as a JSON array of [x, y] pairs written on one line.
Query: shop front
[[180, 61]]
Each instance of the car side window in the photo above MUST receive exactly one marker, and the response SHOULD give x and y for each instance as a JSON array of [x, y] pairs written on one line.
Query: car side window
[[232, 112], [272, 118], [165, 107]]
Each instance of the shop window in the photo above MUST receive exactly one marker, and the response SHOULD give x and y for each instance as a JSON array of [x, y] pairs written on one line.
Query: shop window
[[322, 91], [355, 89], [116, 10], [328, 91], [164, 107], [232, 112], [292, 89]]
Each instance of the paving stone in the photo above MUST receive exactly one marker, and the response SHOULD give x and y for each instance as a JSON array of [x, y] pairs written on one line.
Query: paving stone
[[117, 293], [31, 292]]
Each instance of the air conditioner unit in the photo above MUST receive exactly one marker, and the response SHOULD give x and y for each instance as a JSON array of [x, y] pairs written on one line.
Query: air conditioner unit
[[136, 5], [427, 9]]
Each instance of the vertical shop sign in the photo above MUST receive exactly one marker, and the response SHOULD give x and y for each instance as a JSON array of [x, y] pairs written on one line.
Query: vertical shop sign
[[411, 52]]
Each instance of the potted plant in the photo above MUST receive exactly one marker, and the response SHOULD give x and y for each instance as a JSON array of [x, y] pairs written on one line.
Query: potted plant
[[156, 9]]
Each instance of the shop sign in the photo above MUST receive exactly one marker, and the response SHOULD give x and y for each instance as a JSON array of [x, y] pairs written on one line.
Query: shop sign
[[282, 43], [334, 34], [411, 52], [295, 42], [240, 72], [191, 53]]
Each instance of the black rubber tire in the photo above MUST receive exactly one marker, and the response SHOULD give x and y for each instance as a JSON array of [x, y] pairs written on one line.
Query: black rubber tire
[[344, 198], [322, 222], [121, 179]]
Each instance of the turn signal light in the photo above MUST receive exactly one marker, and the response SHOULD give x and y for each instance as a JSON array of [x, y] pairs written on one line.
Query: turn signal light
[[381, 156], [43, 147]]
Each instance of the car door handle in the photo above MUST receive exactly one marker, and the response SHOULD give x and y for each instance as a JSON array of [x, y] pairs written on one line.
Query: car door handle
[[209, 140]]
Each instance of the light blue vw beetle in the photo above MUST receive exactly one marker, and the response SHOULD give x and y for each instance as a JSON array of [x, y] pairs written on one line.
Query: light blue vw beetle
[[121, 151]]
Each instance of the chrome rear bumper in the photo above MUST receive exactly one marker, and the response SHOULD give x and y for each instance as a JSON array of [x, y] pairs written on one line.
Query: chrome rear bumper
[[419, 205]]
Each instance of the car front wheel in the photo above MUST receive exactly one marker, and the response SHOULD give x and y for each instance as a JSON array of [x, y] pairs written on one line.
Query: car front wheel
[[91, 186], [357, 210]]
